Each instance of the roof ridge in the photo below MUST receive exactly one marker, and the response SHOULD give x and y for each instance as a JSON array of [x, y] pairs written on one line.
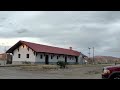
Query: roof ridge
[[47, 45], [44, 48]]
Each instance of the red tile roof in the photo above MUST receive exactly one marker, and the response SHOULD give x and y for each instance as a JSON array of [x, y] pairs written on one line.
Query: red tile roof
[[44, 48]]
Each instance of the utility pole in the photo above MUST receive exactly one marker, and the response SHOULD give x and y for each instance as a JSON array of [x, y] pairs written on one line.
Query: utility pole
[[4, 54], [89, 52], [93, 56]]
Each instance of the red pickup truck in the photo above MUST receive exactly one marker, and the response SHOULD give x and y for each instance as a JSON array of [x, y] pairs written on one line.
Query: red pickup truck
[[111, 72]]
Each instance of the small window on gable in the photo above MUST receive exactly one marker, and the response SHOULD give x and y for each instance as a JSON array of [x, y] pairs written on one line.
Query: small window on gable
[[28, 48], [19, 55], [27, 55], [13, 53], [18, 49], [41, 56]]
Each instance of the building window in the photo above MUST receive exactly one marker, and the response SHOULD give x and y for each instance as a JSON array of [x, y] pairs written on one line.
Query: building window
[[34, 52], [57, 57], [19, 55], [28, 48], [13, 53], [18, 49], [27, 55], [41, 56], [51, 57]]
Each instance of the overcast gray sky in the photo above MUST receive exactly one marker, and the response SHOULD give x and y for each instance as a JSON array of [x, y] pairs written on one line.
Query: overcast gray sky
[[79, 29]]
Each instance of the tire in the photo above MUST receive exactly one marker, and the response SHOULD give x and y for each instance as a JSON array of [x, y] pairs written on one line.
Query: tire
[[116, 76]]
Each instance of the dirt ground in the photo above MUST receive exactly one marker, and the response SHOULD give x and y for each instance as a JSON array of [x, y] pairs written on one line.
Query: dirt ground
[[52, 72]]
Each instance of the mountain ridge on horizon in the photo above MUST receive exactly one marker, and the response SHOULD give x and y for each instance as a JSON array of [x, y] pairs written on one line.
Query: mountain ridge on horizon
[[105, 59]]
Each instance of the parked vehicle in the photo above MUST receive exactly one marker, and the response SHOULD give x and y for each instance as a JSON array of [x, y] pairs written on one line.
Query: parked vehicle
[[111, 72]]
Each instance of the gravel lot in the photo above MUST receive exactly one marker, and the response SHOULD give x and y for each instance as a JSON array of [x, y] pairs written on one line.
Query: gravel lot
[[73, 72]]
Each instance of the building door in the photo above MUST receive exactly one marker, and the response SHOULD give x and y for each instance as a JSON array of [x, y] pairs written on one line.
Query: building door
[[9, 59], [46, 59], [66, 59], [76, 59]]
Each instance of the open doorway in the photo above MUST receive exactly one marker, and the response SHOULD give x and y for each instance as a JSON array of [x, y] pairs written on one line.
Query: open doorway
[[65, 59], [76, 59], [46, 59]]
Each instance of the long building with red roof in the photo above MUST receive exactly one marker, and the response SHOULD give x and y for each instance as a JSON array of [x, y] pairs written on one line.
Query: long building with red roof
[[24, 51]]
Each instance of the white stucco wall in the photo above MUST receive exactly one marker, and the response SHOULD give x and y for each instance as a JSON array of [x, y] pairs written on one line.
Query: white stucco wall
[[80, 60], [23, 51], [37, 58], [54, 59]]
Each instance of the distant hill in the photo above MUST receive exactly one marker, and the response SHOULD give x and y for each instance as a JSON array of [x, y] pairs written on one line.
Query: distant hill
[[106, 59]]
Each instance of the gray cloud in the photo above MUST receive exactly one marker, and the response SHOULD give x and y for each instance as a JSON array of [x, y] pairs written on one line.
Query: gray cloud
[[79, 29], [22, 31]]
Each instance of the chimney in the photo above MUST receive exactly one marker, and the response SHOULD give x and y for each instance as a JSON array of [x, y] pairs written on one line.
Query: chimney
[[70, 48]]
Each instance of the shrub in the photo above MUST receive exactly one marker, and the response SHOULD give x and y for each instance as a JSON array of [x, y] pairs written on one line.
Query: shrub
[[62, 64], [26, 62]]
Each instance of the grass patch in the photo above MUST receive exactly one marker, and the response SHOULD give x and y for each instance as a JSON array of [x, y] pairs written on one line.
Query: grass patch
[[49, 67], [93, 72], [39, 67]]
